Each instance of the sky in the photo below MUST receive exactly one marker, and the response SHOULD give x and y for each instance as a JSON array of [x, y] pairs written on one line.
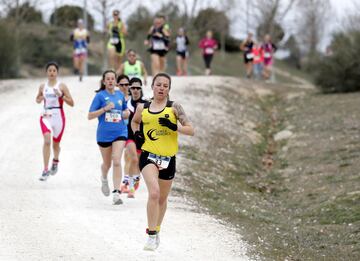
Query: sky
[[238, 27]]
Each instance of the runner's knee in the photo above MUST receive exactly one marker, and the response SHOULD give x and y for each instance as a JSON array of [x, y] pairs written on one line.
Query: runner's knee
[[154, 194]]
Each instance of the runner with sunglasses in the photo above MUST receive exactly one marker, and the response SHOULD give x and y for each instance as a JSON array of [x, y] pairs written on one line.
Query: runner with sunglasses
[[132, 153], [162, 121]]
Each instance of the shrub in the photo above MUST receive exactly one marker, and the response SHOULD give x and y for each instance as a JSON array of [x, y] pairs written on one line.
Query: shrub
[[340, 71], [7, 53]]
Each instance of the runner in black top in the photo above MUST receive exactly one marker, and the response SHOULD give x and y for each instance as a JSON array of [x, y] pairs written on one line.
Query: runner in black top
[[246, 46]]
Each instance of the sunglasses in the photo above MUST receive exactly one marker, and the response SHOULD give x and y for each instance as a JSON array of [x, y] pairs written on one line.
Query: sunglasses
[[135, 88], [123, 84]]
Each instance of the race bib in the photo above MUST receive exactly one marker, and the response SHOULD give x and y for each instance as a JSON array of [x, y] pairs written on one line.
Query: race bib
[[249, 56], [113, 116], [267, 55], [158, 45], [161, 161], [209, 50], [114, 40]]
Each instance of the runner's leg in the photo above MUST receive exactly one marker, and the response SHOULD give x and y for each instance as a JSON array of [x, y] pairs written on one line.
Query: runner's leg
[[117, 150], [150, 173], [165, 187], [46, 150], [155, 63], [106, 156]]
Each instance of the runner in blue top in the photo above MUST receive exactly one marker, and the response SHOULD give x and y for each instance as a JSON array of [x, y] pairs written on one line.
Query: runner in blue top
[[110, 107]]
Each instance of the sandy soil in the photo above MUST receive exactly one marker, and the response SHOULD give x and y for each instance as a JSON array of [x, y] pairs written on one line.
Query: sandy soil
[[67, 217]]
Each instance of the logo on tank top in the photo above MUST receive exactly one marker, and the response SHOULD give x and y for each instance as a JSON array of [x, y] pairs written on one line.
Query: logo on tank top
[[120, 102], [150, 134]]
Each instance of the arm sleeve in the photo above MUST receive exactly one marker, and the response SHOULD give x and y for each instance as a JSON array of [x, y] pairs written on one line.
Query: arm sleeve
[[187, 42], [96, 103], [88, 39], [71, 37]]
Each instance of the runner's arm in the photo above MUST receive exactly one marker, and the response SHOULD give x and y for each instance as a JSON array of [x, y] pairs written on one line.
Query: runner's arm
[[185, 126], [136, 120], [121, 69], [66, 96], [40, 96], [124, 30]]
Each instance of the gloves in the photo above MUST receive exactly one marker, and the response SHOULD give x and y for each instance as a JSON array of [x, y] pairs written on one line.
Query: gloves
[[167, 123], [139, 139]]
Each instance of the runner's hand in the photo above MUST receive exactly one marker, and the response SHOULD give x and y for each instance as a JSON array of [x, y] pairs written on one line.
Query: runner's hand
[[109, 106], [167, 123], [139, 139]]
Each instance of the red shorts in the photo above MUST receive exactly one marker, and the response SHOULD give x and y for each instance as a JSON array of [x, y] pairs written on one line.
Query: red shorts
[[132, 141]]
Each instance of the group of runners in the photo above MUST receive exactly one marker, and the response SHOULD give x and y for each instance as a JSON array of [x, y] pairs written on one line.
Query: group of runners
[[146, 131], [258, 58]]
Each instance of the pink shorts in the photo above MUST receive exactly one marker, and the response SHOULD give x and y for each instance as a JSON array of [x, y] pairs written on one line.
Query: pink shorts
[[54, 124], [268, 61], [132, 141]]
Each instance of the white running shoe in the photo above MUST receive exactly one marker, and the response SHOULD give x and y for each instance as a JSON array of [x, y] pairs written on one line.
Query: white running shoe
[[157, 239], [53, 169], [116, 197], [150, 244], [45, 175], [105, 187]]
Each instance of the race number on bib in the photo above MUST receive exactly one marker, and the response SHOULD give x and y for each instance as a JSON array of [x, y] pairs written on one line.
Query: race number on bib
[[114, 40], [267, 55], [113, 116], [158, 45], [249, 56], [161, 161], [209, 50]]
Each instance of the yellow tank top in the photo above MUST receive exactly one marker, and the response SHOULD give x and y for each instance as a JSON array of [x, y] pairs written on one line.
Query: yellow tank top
[[115, 30], [159, 140], [80, 34]]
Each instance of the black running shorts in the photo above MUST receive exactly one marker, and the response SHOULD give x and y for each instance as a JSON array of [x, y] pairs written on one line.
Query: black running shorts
[[108, 144], [165, 174]]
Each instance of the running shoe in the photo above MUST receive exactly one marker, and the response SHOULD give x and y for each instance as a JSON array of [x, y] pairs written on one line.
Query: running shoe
[[157, 239], [105, 187], [116, 197], [45, 175], [54, 168], [131, 193], [150, 244]]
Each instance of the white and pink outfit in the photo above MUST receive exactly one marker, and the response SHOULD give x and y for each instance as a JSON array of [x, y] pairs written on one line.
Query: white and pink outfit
[[52, 119]]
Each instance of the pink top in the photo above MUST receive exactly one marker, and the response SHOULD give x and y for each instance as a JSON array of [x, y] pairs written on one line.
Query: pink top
[[208, 45]]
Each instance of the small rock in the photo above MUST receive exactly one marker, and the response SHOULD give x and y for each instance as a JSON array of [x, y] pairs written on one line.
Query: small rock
[[283, 135]]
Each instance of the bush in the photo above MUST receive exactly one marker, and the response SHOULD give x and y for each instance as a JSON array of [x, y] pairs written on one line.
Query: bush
[[340, 71], [7, 53], [68, 15], [27, 14]]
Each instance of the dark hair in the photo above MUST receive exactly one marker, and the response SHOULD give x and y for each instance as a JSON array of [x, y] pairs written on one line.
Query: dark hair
[[130, 50], [52, 63], [102, 85], [161, 75], [122, 76], [135, 79]]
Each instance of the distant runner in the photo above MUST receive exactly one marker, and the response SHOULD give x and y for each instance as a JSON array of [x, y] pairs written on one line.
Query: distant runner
[[133, 67], [269, 49], [110, 107], [52, 120], [182, 52], [159, 144], [80, 38], [116, 45], [258, 60], [209, 46], [158, 41], [246, 46]]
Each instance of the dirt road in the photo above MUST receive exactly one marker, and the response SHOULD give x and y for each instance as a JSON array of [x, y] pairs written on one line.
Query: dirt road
[[67, 217]]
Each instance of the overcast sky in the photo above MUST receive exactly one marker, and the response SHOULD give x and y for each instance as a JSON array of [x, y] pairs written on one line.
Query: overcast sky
[[238, 28]]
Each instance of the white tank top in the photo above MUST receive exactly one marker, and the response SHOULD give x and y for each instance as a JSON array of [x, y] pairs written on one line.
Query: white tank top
[[51, 100]]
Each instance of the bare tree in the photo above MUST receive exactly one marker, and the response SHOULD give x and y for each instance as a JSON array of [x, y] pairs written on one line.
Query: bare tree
[[269, 13], [313, 15], [352, 21]]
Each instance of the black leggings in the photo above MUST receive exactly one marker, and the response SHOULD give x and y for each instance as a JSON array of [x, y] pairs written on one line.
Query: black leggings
[[207, 60]]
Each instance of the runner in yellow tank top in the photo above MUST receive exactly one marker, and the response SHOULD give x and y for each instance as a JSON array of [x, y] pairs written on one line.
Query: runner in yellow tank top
[[162, 121]]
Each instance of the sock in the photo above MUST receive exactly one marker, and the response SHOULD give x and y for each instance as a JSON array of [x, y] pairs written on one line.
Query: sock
[[55, 161], [157, 229], [136, 177], [116, 191], [151, 232], [126, 179], [46, 169], [131, 182]]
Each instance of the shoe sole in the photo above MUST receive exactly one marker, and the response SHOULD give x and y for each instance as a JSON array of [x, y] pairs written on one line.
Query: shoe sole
[[118, 202]]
